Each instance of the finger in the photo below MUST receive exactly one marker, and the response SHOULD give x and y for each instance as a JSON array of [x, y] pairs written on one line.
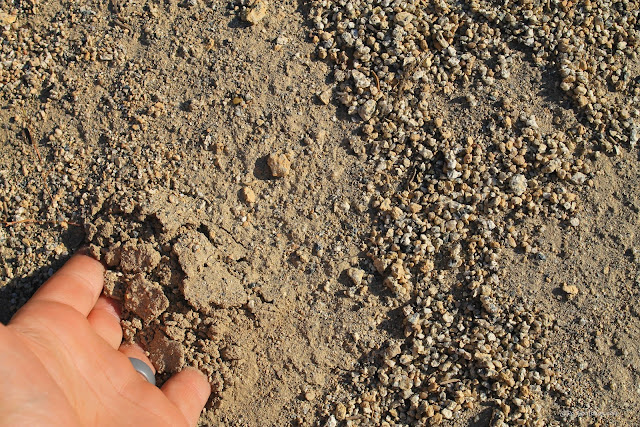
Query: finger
[[189, 390], [77, 284], [105, 321], [134, 350]]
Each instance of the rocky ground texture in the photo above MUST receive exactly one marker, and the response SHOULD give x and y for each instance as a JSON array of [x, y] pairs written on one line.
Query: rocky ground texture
[[344, 212]]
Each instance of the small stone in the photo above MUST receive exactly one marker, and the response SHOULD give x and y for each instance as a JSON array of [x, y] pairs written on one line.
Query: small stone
[[446, 413], [310, 395], [356, 275], [367, 109], [381, 264], [415, 207], [582, 101], [6, 19], [248, 195], [325, 96], [518, 184], [570, 289], [280, 165], [404, 18], [396, 213], [331, 422], [256, 13], [574, 222], [578, 178], [341, 412], [360, 79]]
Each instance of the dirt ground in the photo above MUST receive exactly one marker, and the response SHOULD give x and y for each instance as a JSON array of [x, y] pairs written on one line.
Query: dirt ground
[[596, 329], [153, 122]]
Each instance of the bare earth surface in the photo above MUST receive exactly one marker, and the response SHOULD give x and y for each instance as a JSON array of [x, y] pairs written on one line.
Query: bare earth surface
[[341, 219]]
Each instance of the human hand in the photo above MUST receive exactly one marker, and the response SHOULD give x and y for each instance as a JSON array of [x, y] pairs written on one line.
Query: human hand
[[62, 363]]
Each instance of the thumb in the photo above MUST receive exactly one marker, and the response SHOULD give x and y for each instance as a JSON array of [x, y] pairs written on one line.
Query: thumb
[[189, 391]]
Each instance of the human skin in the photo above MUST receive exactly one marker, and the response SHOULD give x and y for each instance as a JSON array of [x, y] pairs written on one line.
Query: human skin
[[62, 363]]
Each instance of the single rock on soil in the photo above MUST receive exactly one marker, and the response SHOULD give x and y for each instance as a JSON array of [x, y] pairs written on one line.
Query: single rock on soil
[[570, 289], [325, 96], [356, 275], [256, 13], [248, 195], [280, 165]]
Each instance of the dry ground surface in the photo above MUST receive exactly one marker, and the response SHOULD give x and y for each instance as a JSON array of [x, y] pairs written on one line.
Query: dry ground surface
[[225, 174]]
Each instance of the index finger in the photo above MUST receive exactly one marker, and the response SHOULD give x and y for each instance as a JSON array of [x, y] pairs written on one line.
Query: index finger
[[77, 284]]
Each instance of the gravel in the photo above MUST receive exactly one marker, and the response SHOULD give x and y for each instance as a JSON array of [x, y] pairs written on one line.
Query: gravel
[[463, 193]]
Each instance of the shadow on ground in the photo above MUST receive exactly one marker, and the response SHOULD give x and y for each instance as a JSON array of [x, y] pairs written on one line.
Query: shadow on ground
[[18, 291]]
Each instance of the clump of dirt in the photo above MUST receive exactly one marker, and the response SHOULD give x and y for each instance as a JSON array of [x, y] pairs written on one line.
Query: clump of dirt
[[167, 267], [193, 295]]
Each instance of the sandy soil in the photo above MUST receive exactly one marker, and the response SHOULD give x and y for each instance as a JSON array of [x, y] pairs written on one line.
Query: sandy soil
[[147, 134]]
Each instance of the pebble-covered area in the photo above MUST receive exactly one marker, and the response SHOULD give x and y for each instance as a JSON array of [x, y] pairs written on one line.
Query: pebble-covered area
[[449, 199]]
